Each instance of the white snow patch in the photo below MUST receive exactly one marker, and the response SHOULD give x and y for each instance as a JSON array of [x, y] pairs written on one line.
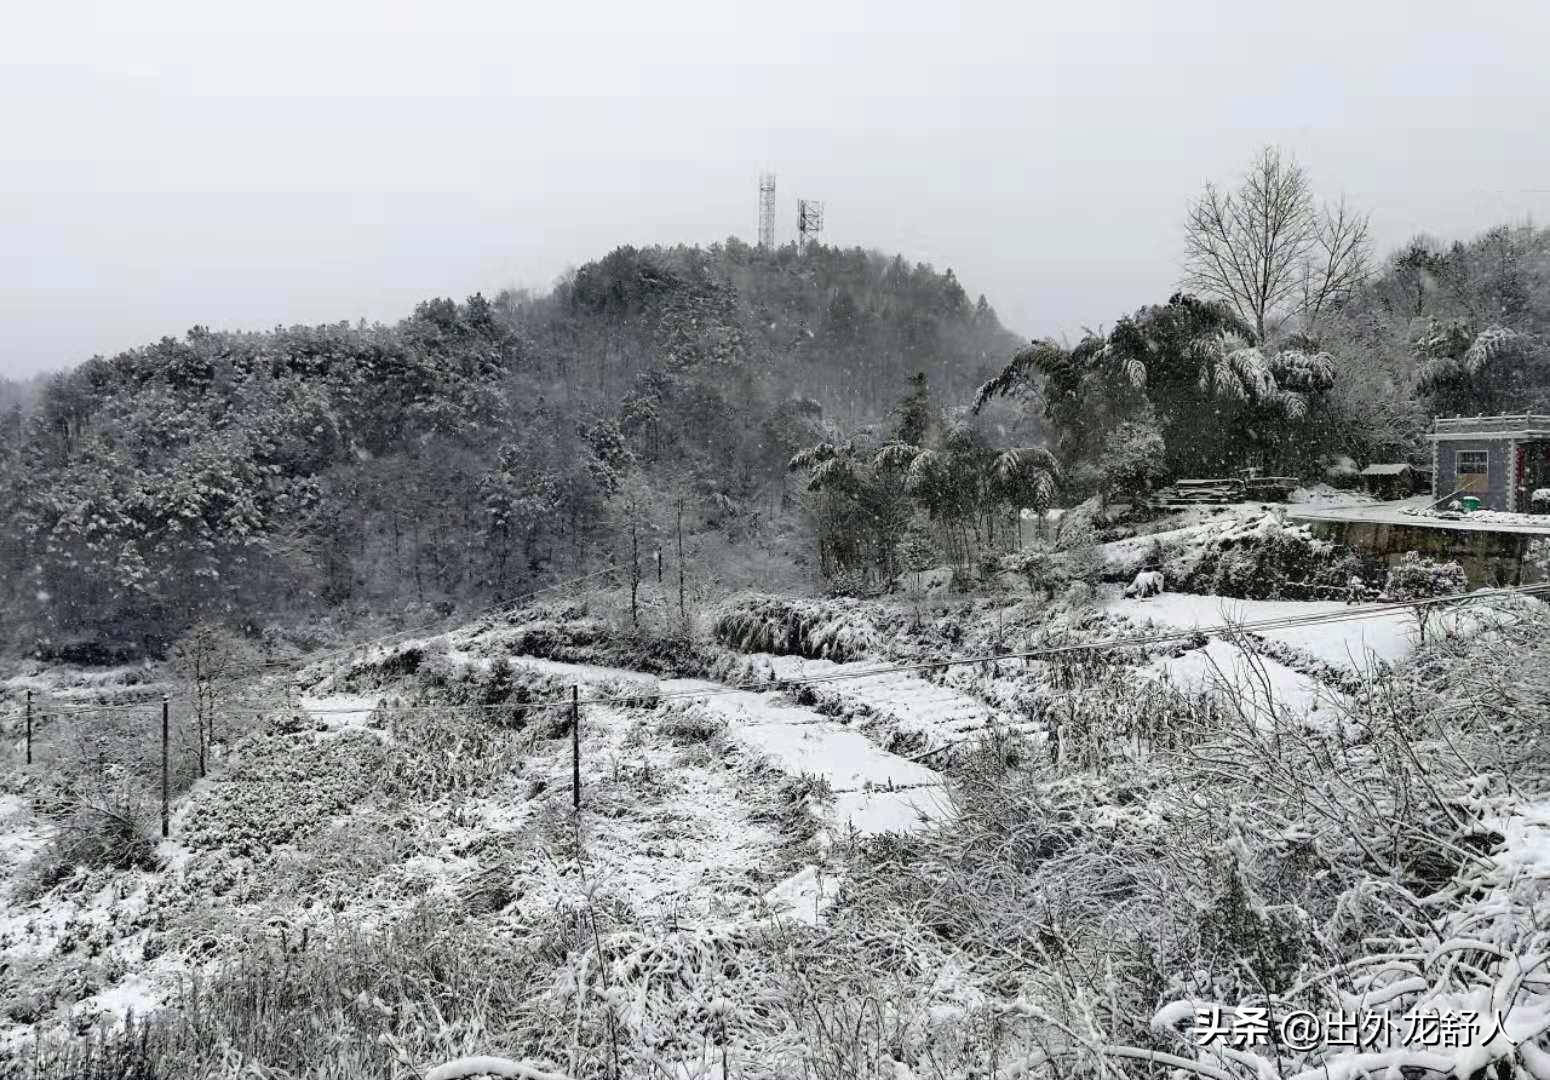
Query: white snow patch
[[1388, 637], [1224, 666], [804, 895], [133, 993], [873, 812], [341, 711]]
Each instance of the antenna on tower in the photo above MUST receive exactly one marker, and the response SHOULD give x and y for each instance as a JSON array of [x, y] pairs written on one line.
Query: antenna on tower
[[767, 211], [809, 221]]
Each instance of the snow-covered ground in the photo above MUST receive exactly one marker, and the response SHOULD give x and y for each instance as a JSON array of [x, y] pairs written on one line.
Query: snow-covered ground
[[1387, 637], [1260, 683], [1492, 517], [1327, 495]]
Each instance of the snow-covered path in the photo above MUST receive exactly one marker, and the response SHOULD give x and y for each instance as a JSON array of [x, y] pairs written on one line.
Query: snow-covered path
[[867, 779], [905, 702]]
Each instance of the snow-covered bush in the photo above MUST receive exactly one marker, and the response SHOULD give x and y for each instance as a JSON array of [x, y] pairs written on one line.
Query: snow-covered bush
[[109, 824], [1420, 579], [691, 724], [1079, 526], [820, 630], [1415, 577], [848, 583], [1267, 559], [1537, 557], [279, 789], [1045, 570], [1077, 597]]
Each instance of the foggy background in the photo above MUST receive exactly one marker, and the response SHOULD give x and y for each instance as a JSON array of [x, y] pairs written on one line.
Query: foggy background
[[164, 164]]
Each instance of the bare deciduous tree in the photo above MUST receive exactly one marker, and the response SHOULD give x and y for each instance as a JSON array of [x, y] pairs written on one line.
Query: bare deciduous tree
[[211, 661], [1268, 251], [1340, 262]]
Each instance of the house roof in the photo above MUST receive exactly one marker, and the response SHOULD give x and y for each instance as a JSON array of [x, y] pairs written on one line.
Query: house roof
[[1516, 426], [1393, 468]]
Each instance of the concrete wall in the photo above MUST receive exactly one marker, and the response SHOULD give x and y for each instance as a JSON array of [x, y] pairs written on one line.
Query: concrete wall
[[1495, 497], [1489, 559]]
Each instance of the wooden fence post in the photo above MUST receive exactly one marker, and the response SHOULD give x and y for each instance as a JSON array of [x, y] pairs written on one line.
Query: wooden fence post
[[29, 727], [164, 784], [575, 748]]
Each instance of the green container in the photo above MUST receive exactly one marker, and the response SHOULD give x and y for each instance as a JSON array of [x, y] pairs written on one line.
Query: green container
[[1471, 504]]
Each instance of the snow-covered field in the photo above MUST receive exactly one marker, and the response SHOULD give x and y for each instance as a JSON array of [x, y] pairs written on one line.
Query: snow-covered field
[[1387, 637], [366, 812], [1260, 683]]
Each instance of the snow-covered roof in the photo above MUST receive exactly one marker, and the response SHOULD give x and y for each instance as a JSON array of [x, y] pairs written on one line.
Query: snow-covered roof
[[1389, 468], [1514, 426]]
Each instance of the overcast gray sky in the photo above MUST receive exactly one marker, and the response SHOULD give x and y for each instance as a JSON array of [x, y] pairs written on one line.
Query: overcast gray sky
[[171, 162]]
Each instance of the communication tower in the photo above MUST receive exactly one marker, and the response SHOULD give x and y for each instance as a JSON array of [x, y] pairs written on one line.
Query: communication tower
[[809, 221], [767, 211]]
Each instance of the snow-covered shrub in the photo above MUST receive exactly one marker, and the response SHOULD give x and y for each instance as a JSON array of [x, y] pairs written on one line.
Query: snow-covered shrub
[[434, 756], [677, 653], [793, 808], [1269, 560], [1133, 461], [280, 789], [109, 823], [500, 693], [1079, 526], [848, 583], [354, 1005], [1044, 570], [571, 640], [691, 724], [397, 663], [1078, 597], [1537, 558], [820, 630], [1415, 577]]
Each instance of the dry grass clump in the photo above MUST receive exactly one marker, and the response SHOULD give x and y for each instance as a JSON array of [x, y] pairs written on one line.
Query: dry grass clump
[[691, 723], [837, 630], [437, 755], [359, 1008]]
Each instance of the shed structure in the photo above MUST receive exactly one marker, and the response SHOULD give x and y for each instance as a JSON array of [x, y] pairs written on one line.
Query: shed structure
[[1500, 460], [1395, 480]]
